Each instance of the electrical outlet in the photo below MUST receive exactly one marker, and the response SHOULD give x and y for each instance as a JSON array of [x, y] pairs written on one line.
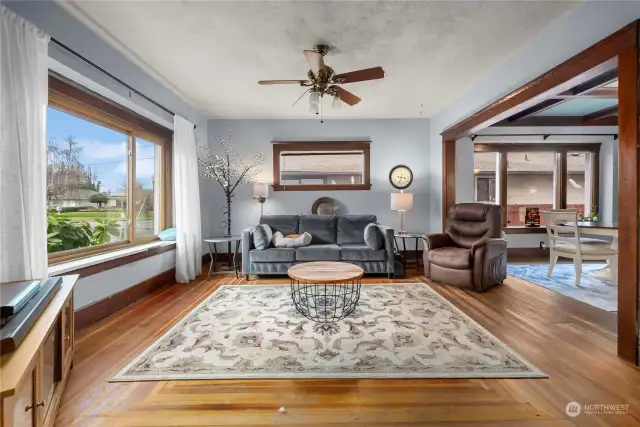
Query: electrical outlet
[[542, 245]]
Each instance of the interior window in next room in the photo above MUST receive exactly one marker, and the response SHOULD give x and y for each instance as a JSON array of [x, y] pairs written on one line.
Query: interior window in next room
[[530, 183], [484, 170]]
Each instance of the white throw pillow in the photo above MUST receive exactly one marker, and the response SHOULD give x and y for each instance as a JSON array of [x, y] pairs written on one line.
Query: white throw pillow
[[279, 241]]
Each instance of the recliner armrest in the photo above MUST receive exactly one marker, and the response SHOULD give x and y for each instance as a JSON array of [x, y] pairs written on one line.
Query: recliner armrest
[[492, 247], [438, 240]]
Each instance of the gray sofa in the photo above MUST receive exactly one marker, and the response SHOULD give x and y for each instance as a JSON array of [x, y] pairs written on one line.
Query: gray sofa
[[334, 238]]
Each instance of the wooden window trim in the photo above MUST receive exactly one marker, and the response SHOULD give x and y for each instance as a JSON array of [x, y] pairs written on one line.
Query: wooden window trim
[[537, 147], [335, 147], [80, 99], [560, 185], [120, 261], [80, 102]]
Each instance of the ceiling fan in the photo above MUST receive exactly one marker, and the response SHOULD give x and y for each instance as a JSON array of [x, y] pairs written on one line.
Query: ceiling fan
[[322, 80]]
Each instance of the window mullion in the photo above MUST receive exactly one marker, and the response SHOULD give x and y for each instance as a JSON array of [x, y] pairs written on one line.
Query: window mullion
[[131, 184]]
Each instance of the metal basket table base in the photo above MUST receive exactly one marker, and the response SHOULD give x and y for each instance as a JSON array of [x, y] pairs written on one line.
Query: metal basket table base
[[325, 303]]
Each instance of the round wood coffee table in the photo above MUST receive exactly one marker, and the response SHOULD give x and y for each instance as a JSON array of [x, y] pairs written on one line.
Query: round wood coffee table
[[325, 291]]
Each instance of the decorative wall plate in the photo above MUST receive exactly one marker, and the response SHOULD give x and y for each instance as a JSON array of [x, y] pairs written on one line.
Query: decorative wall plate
[[324, 206]]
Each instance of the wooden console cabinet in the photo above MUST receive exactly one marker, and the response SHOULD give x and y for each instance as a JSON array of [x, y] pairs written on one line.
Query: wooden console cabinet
[[32, 378]]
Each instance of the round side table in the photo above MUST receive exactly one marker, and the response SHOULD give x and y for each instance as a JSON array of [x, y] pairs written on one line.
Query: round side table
[[325, 292], [404, 236], [211, 243]]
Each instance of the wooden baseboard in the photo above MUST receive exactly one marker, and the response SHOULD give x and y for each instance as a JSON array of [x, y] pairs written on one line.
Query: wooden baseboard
[[527, 254], [224, 257], [93, 313]]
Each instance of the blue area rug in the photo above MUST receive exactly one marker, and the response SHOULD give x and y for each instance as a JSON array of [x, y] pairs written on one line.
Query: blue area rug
[[593, 290]]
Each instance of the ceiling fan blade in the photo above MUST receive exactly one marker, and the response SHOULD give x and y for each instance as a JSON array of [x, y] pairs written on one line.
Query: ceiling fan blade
[[360, 75], [282, 82], [315, 60], [346, 96]]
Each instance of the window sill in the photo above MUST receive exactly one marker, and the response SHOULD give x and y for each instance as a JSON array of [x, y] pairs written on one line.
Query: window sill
[[106, 261], [521, 229]]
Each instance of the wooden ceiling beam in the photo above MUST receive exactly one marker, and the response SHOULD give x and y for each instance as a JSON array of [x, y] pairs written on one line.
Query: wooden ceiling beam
[[601, 92], [559, 121], [605, 112], [595, 84], [582, 89], [546, 104]]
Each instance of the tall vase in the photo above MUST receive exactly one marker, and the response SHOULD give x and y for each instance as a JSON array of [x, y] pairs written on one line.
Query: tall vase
[[225, 224]]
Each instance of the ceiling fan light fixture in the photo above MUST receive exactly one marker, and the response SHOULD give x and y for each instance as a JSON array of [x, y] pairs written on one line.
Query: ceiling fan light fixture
[[313, 106], [314, 97], [336, 103]]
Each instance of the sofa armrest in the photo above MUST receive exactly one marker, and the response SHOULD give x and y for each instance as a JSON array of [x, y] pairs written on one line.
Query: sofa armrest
[[247, 245], [438, 240], [389, 246]]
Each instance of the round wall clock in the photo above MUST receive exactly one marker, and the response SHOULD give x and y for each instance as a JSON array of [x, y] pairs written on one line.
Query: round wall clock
[[401, 177]]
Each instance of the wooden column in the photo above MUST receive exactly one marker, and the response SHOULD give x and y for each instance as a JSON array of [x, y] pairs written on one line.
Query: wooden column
[[628, 209], [448, 177], [501, 174], [560, 181]]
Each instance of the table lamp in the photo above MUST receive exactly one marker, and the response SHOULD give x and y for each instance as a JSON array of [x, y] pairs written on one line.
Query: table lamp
[[260, 193], [401, 202]]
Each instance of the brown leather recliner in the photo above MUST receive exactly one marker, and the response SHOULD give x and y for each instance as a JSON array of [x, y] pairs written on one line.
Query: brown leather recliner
[[471, 253]]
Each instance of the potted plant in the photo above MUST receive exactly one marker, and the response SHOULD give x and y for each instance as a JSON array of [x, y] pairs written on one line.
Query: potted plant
[[592, 216]]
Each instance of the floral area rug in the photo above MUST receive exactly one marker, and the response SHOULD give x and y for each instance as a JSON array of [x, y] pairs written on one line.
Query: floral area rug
[[396, 331], [594, 289]]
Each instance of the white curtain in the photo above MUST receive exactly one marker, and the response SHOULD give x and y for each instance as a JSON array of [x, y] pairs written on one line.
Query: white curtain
[[187, 201], [23, 155]]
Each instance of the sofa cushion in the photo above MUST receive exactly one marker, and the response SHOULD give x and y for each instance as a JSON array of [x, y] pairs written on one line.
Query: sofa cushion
[[456, 258], [321, 227], [262, 236], [286, 224], [361, 252], [322, 252], [373, 237], [273, 255], [351, 228]]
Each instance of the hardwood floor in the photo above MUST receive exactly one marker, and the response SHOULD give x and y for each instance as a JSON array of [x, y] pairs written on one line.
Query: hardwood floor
[[571, 342]]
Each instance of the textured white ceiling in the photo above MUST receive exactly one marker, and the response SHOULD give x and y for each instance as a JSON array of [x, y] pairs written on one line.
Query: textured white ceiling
[[213, 53]]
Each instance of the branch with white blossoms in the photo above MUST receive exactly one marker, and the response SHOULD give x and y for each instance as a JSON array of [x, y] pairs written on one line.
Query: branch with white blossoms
[[228, 169]]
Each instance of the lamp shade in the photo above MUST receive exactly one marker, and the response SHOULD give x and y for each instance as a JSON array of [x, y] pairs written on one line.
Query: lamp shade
[[260, 189], [401, 201]]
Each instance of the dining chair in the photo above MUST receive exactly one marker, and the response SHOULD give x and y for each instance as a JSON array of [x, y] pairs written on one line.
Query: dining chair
[[565, 241]]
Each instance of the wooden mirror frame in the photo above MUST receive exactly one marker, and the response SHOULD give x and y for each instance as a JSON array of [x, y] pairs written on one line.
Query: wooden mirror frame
[[338, 146]]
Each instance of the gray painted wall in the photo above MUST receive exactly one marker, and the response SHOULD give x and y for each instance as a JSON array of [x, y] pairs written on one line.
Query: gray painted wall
[[392, 142], [54, 20]]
